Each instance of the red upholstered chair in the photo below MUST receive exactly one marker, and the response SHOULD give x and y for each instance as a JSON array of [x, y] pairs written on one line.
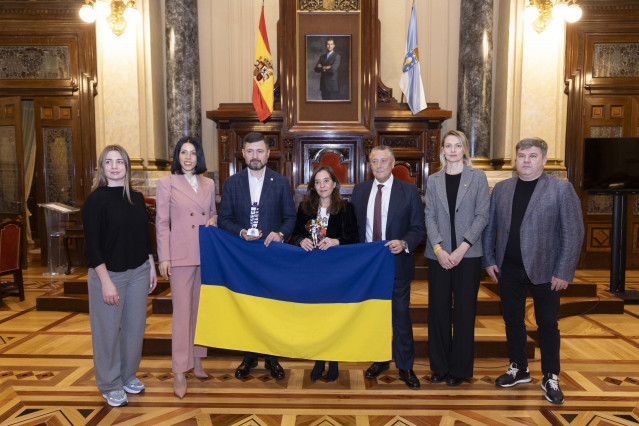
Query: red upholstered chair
[[331, 159], [402, 171], [11, 258]]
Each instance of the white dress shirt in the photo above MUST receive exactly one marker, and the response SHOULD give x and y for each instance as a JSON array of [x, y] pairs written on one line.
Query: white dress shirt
[[255, 186], [370, 211]]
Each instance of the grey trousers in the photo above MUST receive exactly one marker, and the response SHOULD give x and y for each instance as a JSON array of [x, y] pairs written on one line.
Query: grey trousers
[[117, 331]]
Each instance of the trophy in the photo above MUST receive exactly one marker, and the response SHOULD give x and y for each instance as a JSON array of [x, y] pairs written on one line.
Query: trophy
[[314, 228], [254, 218]]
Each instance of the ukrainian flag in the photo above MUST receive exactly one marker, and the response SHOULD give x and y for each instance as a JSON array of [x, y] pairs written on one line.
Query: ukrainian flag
[[281, 300]]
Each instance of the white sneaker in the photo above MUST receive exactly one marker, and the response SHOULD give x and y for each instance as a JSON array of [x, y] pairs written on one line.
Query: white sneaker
[[116, 398], [134, 386]]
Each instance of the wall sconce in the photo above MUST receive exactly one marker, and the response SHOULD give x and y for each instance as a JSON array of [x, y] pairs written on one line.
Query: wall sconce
[[117, 13], [539, 13]]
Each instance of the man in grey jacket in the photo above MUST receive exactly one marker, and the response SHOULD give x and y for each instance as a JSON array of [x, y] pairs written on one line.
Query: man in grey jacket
[[532, 242]]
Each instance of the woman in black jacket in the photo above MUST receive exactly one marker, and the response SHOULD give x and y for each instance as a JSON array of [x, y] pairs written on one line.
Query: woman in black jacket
[[324, 219]]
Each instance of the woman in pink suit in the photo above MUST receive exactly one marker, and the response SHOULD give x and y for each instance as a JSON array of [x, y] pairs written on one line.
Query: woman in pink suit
[[185, 200]]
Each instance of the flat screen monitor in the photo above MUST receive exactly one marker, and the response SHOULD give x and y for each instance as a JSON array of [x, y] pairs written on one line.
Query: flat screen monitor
[[611, 164]]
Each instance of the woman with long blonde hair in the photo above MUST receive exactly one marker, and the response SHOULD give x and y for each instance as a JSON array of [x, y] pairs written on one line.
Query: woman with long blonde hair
[[121, 275]]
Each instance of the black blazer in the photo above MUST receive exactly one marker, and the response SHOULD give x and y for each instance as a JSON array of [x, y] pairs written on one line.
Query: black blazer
[[405, 221], [342, 225]]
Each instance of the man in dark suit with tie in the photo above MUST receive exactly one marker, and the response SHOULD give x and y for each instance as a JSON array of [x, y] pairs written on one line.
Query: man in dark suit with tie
[[532, 243], [257, 203], [391, 209], [328, 66]]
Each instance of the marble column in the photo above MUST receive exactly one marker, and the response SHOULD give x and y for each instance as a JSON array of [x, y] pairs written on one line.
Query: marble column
[[182, 71], [474, 96]]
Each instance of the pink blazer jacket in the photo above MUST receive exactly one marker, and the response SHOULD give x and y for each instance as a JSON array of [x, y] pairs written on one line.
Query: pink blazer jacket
[[179, 213]]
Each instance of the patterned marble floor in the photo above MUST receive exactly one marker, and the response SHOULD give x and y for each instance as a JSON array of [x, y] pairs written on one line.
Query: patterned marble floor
[[46, 378]]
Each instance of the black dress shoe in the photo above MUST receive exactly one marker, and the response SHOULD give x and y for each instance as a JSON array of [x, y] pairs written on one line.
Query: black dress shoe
[[244, 369], [318, 370], [376, 369], [277, 372], [409, 377], [438, 378], [454, 381]]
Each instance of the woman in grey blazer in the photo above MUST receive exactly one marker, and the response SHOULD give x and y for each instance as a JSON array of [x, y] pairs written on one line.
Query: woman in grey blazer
[[457, 208]]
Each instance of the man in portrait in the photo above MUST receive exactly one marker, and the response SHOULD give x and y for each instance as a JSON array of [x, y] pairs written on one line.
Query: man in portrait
[[328, 66], [257, 203], [532, 243], [391, 209]]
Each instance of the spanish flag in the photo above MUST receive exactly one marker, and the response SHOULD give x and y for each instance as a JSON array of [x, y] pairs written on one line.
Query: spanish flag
[[280, 300], [263, 74]]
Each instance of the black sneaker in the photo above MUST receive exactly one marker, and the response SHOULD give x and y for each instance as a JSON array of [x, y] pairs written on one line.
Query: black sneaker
[[513, 377], [550, 385]]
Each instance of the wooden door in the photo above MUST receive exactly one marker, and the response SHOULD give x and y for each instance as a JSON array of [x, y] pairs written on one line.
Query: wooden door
[[12, 195], [58, 155], [608, 117], [602, 83]]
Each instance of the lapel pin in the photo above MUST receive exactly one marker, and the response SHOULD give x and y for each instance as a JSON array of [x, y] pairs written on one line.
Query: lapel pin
[[271, 179]]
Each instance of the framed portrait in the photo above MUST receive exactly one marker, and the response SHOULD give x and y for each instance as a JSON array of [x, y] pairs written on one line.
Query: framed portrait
[[328, 67], [328, 87]]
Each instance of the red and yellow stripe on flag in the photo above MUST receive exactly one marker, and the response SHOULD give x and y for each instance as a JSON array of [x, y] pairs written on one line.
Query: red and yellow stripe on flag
[[263, 74]]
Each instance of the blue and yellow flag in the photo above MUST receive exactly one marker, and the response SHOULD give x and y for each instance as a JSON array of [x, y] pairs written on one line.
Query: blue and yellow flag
[[281, 300]]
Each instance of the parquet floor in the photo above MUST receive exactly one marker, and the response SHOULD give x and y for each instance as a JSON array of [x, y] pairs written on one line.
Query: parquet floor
[[46, 378]]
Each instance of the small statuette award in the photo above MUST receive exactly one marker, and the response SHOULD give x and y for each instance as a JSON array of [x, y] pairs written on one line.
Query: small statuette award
[[314, 228], [254, 218]]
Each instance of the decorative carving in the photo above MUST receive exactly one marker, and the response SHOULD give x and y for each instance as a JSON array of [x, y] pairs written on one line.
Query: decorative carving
[[599, 238], [288, 148], [59, 165], [310, 5], [599, 204], [384, 94], [346, 4], [605, 131], [615, 60], [315, 154], [34, 62], [9, 193], [400, 141], [597, 111], [433, 141], [326, 5], [368, 146], [224, 140], [269, 140]]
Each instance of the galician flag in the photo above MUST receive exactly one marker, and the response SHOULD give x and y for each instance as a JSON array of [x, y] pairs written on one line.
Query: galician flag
[[263, 74], [411, 81]]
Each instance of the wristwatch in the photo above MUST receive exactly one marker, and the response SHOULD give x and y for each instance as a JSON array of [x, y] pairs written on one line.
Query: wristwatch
[[405, 245], [281, 236]]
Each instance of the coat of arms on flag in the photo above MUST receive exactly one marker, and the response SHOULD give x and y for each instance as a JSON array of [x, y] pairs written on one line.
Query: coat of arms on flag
[[263, 70], [411, 59]]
